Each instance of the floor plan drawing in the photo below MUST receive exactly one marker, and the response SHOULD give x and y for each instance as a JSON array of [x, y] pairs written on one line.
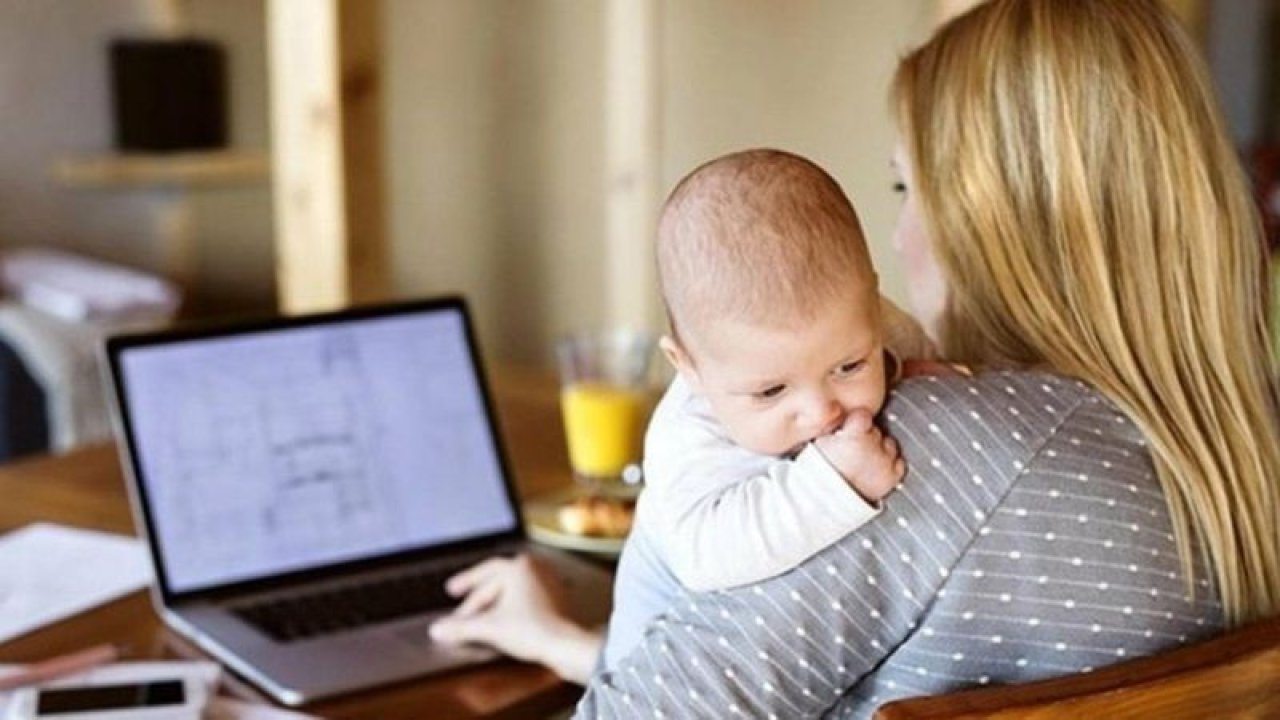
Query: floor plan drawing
[[280, 455], [269, 453]]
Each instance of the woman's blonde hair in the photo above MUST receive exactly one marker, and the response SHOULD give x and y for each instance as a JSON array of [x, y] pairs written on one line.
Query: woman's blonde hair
[[1090, 215]]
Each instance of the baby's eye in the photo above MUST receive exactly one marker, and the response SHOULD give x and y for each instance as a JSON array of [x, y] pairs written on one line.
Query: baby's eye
[[900, 188], [849, 368], [769, 393]]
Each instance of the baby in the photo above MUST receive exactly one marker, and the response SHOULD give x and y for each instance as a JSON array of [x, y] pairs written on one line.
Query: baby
[[763, 450]]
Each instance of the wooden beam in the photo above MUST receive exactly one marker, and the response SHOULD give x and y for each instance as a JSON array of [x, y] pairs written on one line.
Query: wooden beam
[[632, 156], [324, 66]]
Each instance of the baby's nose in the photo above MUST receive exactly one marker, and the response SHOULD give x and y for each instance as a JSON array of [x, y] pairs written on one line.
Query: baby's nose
[[826, 416]]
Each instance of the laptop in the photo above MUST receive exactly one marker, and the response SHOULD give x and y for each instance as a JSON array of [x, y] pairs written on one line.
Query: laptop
[[305, 484]]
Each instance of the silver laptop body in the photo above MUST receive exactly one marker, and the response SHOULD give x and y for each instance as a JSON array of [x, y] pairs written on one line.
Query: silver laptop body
[[342, 460]]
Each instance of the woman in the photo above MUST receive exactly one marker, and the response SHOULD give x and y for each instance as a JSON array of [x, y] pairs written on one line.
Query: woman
[[1105, 487]]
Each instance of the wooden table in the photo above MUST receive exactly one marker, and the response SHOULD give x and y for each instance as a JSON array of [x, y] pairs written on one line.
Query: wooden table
[[86, 489]]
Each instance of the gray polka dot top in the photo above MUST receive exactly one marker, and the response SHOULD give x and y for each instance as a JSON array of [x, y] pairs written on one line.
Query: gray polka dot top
[[1030, 539]]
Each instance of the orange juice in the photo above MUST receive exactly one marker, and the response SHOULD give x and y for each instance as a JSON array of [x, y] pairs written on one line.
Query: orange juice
[[604, 425]]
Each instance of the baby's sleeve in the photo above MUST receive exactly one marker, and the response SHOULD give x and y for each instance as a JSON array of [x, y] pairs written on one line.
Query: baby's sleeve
[[724, 516]]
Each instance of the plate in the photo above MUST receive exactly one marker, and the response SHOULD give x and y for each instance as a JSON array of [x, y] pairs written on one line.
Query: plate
[[542, 518]]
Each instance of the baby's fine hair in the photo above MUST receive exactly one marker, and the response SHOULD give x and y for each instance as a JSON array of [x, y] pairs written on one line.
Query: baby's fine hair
[[761, 236]]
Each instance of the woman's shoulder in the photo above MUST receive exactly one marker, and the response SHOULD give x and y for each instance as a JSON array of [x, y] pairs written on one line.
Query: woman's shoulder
[[1003, 413], [996, 396]]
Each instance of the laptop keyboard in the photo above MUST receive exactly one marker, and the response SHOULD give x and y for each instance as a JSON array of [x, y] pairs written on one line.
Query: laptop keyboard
[[335, 609]]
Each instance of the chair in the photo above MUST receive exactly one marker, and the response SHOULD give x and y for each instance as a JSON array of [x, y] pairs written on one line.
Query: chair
[[1236, 675]]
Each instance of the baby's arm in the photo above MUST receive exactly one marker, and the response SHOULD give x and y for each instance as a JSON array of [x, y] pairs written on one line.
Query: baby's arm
[[726, 517]]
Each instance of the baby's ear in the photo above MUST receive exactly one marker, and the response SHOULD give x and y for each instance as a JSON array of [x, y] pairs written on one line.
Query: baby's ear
[[675, 354]]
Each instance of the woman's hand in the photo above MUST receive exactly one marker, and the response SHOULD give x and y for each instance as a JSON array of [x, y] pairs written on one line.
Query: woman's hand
[[517, 606]]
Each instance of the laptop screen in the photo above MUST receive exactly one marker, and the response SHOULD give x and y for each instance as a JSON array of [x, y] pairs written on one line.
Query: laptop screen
[[299, 447]]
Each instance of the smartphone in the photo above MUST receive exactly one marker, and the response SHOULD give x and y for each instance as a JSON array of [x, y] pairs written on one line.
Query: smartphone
[[151, 700]]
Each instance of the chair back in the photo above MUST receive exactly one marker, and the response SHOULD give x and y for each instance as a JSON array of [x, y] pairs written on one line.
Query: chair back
[[1236, 675]]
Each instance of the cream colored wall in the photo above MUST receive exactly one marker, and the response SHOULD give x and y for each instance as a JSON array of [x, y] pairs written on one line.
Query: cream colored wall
[[811, 77], [494, 142], [55, 94], [495, 135], [55, 99], [231, 226]]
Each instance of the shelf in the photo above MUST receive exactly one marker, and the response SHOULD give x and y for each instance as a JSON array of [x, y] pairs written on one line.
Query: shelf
[[197, 169]]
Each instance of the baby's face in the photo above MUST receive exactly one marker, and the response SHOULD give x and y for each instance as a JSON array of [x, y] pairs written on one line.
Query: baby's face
[[774, 389]]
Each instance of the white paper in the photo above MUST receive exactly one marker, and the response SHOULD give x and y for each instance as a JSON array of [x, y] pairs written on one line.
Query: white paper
[[50, 572]]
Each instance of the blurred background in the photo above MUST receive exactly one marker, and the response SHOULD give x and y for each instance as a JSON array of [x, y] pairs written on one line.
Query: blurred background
[[514, 151]]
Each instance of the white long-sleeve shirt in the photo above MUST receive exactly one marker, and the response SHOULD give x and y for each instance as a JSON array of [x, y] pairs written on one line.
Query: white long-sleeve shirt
[[724, 516]]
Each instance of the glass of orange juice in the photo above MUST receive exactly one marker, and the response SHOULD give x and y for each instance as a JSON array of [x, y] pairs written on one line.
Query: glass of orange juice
[[605, 398]]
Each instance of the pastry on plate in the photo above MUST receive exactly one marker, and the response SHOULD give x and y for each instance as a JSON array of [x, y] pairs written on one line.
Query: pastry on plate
[[596, 516]]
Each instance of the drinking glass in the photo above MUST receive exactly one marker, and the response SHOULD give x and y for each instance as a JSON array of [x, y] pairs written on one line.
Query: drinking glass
[[605, 398]]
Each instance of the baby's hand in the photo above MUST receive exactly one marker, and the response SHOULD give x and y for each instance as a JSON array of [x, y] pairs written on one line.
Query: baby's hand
[[867, 458]]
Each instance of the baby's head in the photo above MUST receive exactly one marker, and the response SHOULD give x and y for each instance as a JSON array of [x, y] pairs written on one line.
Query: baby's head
[[772, 299]]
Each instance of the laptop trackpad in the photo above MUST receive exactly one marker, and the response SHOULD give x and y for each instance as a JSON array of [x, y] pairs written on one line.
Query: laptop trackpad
[[414, 637]]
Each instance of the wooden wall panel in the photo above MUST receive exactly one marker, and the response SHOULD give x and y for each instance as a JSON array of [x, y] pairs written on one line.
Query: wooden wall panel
[[324, 65]]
